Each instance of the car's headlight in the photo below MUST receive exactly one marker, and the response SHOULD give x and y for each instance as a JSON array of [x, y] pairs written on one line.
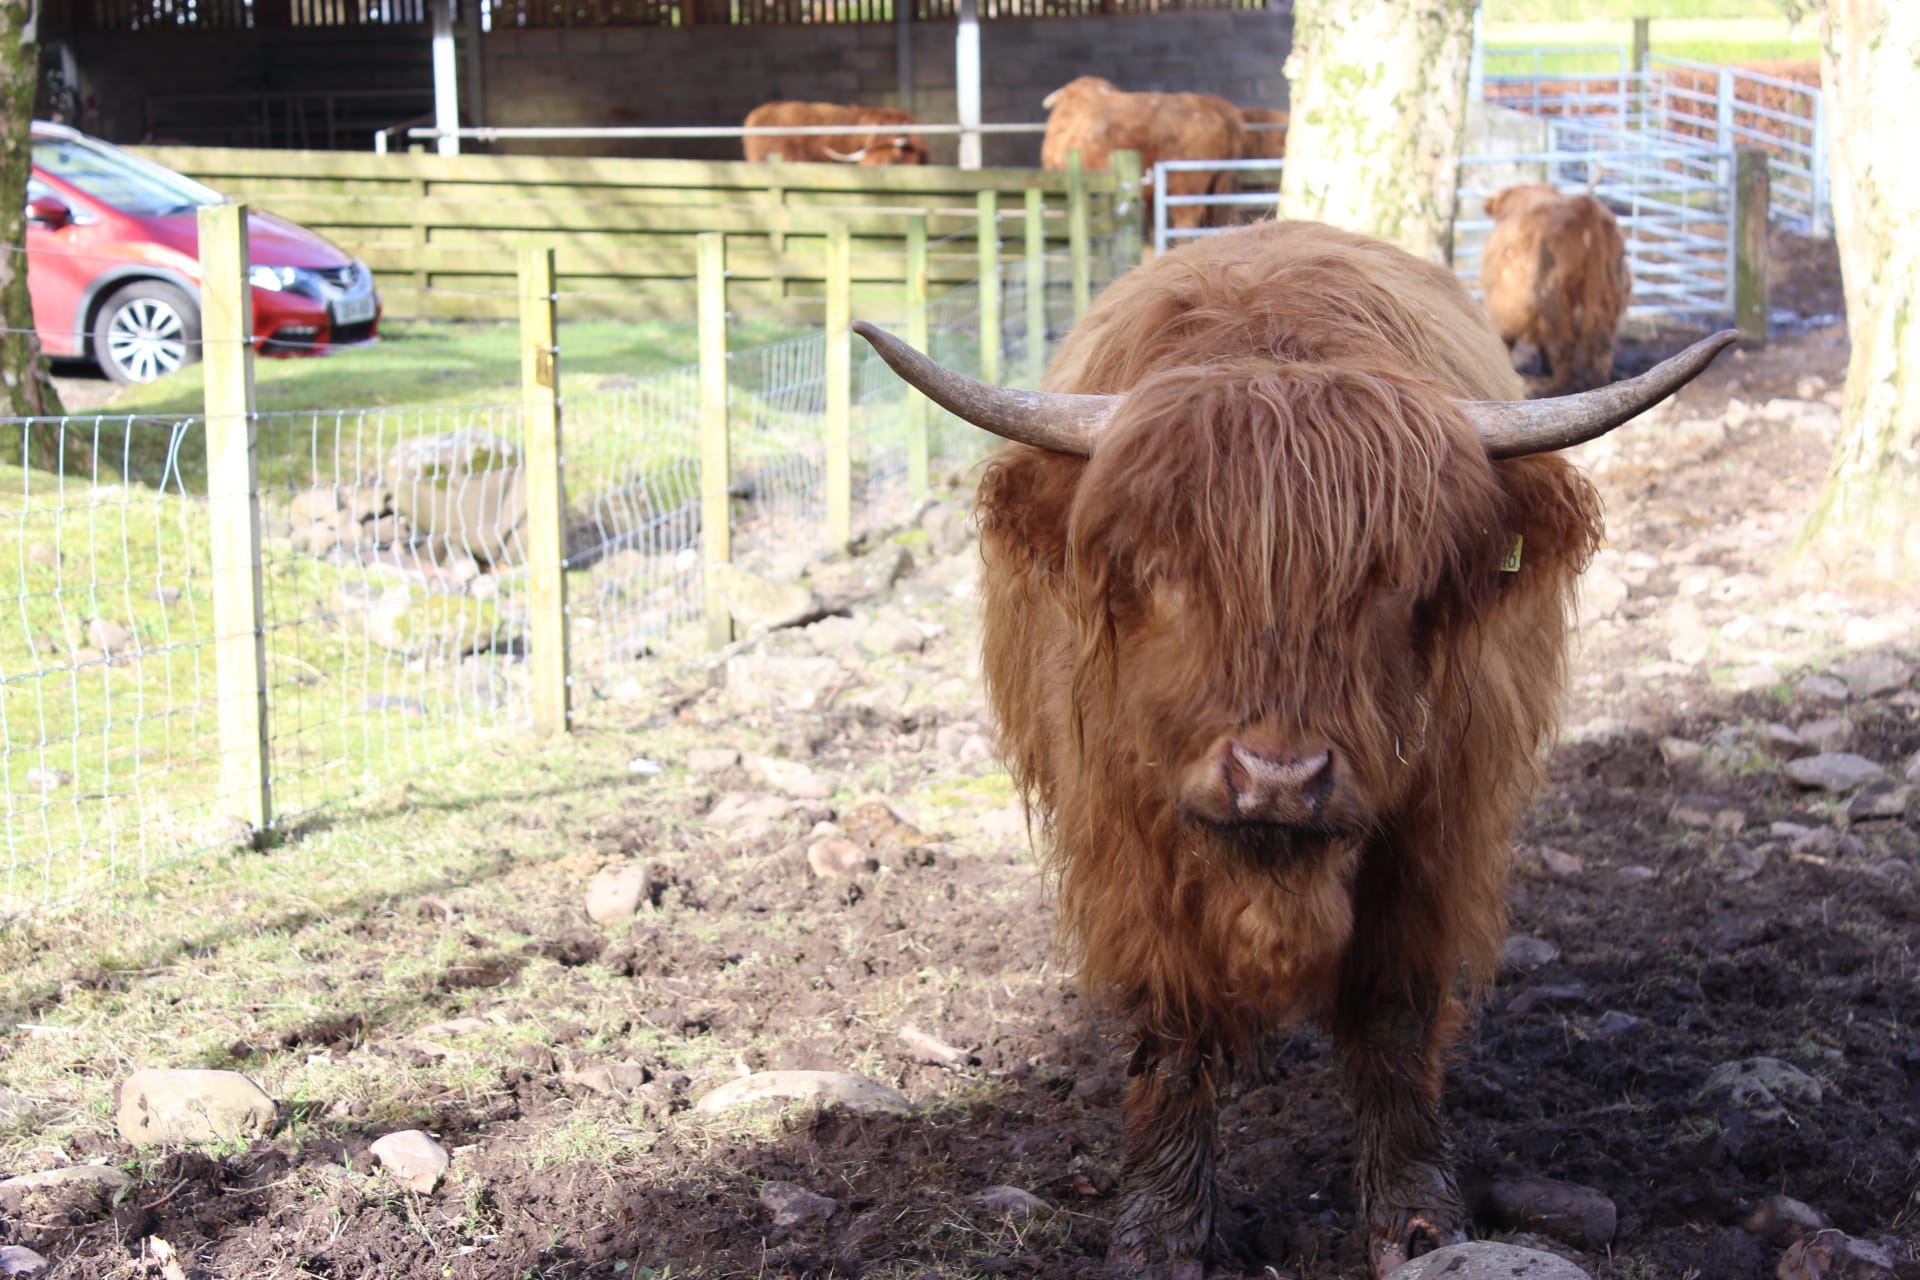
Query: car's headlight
[[272, 279]]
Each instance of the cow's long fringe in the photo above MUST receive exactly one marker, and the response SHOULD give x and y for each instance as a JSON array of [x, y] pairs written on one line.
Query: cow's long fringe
[[1288, 489]]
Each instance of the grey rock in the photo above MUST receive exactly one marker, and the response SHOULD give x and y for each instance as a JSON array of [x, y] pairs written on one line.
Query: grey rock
[[759, 605], [797, 684], [835, 857], [18, 1260], [42, 778], [1830, 733], [415, 624], [108, 636], [1823, 689], [615, 893], [792, 1204], [1521, 952], [413, 1157], [822, 1088], [75, 1192], [1834, 1255], [1577, 1215], [737, 808], [933, 1050], [1747, 861], [43, 554], [158, 1105], [712, 759], [949, 528], [1780, 741], [1760, 1086], [1781, 1220], [790, 777], [1011, 1201], [1753, 676], [1546, 997], [883, 567], [1870, 675], [891, 633], [466, 487], [1679, 751], [1614, 1023], [1834, 771], [615, 1079], [1486, 1260], [1601, 593], [1880, 800], [1636, 874]]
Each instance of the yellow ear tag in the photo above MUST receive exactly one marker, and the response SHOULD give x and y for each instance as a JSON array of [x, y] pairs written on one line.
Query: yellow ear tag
[[1512, 563]]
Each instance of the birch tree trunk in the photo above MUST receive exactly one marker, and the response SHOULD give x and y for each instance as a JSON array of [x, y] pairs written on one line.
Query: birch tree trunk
[[24, 389], [1378, 92], [1870, 65]]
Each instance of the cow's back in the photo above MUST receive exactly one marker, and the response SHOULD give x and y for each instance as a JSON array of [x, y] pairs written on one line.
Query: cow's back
[[1554, 273]]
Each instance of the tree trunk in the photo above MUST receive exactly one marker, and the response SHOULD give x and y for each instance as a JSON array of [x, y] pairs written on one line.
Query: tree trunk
[[1870, 64], [24, 389], [1378, 93]]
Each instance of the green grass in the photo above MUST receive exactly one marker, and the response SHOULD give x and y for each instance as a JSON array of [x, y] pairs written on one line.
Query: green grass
[[1722, 32], [1506, 11]]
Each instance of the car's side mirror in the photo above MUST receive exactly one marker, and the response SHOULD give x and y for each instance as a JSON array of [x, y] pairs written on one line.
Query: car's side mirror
[[50, 212]]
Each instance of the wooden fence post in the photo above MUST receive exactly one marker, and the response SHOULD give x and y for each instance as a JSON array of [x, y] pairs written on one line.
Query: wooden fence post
[[1126, 211], [716, 452], [1642, 44], [546, 500], [986, 240], [1077, 235], [1036, 285], [233, 517], [839, 387], [919, 450], [1751, 192]]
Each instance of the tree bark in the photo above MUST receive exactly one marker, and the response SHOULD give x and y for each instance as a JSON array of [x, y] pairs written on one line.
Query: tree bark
[[1378, 92], [24, 388], [1870, 65]]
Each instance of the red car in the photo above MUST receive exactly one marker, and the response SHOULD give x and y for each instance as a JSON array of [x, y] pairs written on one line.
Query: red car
[[113, 265]]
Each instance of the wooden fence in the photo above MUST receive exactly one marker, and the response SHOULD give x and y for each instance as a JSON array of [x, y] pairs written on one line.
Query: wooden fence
[[442, 233]]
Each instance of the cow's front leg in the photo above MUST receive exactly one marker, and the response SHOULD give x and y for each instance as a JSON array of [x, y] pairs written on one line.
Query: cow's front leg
[[1409, 1198], [1168, 1196]]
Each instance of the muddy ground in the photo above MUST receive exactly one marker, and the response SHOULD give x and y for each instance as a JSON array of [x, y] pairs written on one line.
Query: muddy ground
[[1689, 932]]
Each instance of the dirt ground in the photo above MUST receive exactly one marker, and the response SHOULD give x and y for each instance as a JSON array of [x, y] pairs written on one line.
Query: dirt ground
[[1687, 931]]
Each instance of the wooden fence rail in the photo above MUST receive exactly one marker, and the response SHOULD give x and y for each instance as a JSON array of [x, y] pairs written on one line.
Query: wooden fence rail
[[442, 233]]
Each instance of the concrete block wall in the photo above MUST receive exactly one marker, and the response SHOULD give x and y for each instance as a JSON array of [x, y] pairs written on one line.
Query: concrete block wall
[[710, 76]]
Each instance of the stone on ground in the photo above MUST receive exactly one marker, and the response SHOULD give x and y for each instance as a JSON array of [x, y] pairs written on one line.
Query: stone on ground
[[759, 605], [75, 1193], [712, 759], [793, 778], [1782, 1220], [1833, 1255], [159, 1105], [1758, 1085], [1579, 1216], [1527, 953], [835, 856], [824, 1088], [413, 1157], [1011, 1201], [1834, 771], [1871, 675], [792, 1204], [1486, 1260], [1880, 800], [616, 893], [18, 1260]]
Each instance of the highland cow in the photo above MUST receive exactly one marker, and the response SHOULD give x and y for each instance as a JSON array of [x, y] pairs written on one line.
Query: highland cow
[[1091, 116], [1554, 274], [875, 135], [1276, 608]]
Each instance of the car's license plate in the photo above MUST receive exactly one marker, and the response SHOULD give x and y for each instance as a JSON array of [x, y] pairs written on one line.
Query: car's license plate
[[353, 310]]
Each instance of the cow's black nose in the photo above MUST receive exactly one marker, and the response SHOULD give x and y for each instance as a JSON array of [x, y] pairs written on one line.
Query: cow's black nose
[[1284, 788]]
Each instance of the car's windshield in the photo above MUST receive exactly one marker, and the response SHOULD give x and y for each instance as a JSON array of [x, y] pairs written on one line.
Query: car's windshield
[[120, 179]]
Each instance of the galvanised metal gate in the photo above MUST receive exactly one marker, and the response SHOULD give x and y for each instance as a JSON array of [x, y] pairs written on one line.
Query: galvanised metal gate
[[1673, 200]]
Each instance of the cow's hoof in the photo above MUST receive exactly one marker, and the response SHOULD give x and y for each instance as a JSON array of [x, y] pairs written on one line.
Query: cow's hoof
[[1407, 1237]]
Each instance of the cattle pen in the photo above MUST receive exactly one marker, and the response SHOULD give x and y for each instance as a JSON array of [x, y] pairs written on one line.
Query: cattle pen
[[228, 621]]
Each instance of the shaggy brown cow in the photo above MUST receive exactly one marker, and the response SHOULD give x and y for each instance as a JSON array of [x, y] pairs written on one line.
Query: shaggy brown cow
[[1092, 117], [1264, 144], [1554, 273], [1276, 605], [875, 135]]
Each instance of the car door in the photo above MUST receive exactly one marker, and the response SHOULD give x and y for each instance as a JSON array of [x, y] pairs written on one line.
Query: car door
[[61, 262]]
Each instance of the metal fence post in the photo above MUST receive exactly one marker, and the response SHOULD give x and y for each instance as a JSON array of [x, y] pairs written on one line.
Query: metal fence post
[[1819, 217], [716, 455], [1751, 191], [546, 501], [839, 387], [986, 240], [1077, 234], [919, 452], [1126, 210], [1723, 110], [1036, 246], [233, 516]]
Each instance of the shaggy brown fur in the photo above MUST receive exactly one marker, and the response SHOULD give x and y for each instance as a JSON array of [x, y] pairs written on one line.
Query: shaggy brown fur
[[1091, 116], [1554, 273], [1289, 537], [876, 135]]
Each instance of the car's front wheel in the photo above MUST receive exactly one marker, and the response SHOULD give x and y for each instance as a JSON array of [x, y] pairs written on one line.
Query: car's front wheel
[[146, 330]]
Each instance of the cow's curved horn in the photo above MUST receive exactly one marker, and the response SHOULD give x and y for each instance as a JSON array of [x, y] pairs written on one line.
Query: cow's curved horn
[[1045, 419], [846, 157], [1516, 428]]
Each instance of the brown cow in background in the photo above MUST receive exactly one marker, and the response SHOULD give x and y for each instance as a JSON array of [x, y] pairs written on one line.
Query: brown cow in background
[[1264, 144], [875, 135], [1091, 116], [1276, 596], [1554, 273]]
